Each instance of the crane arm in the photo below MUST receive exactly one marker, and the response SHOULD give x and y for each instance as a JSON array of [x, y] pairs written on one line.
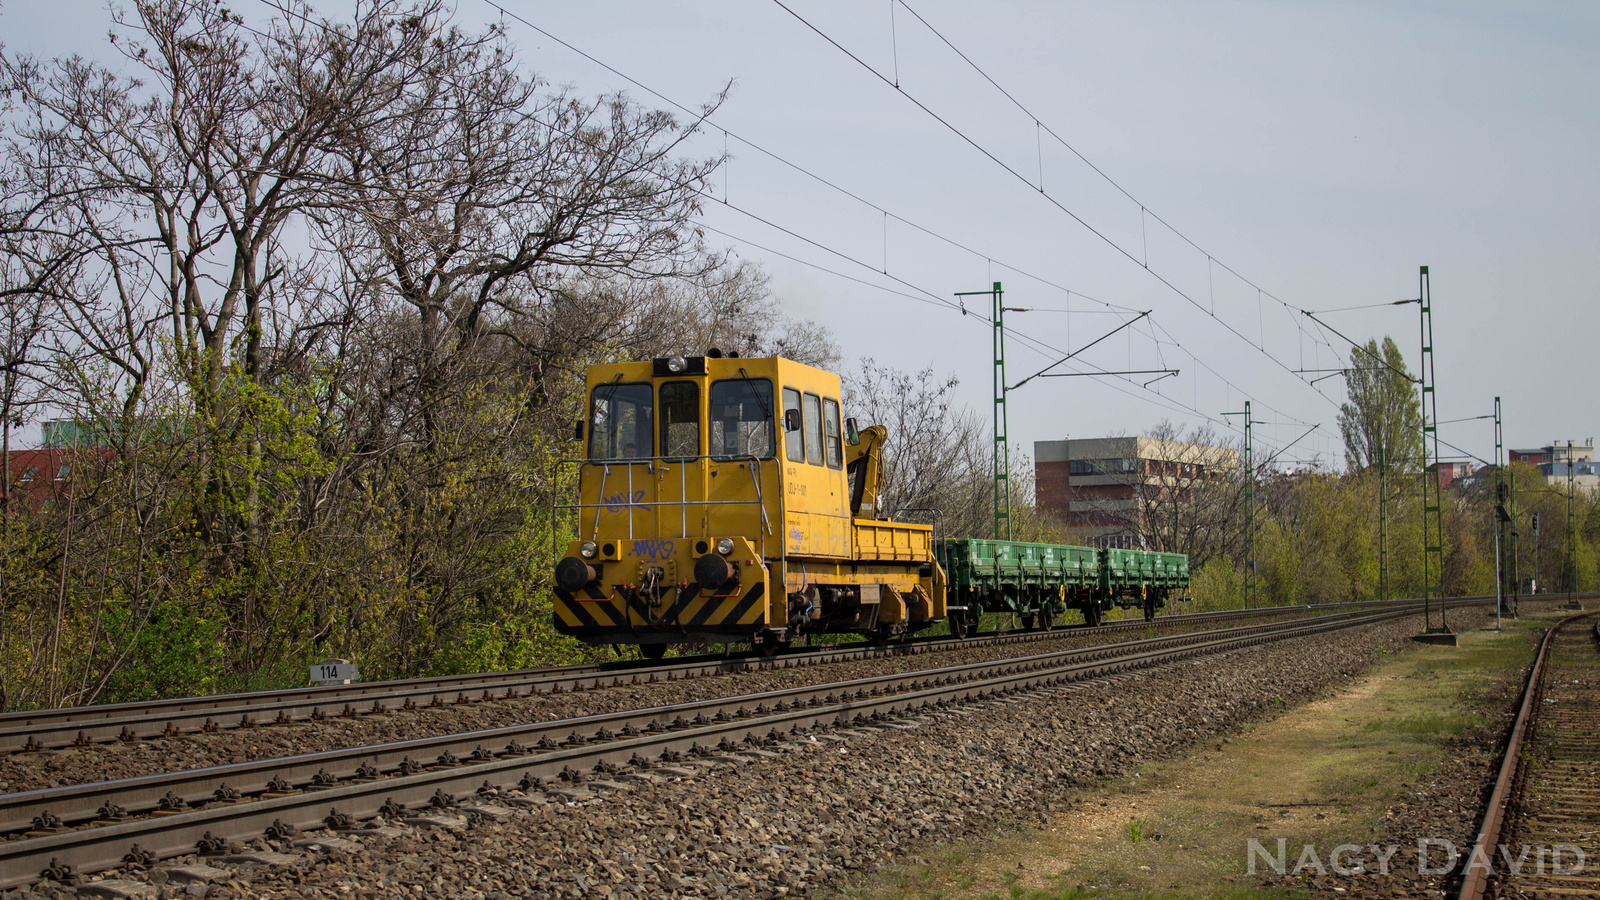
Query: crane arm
[[864, 467]]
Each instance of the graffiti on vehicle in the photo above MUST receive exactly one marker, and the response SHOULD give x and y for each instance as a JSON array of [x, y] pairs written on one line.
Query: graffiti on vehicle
[[654, 548], [616, 502]]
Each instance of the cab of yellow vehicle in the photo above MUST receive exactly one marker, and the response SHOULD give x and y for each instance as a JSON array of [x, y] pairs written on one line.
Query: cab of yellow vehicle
[[715, 505]]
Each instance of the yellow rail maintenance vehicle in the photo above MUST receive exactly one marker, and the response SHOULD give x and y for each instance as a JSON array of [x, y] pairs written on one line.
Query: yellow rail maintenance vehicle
[[725, 500]]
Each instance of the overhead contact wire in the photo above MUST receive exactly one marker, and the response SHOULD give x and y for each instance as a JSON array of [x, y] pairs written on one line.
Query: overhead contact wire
[[927, 296], [805, 171], [887, 214], [1056, 203]]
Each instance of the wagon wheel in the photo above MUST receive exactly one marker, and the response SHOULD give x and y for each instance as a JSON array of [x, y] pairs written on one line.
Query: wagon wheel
[[766, 645], [1047, 619], [879, 638], [653, 651], [1091, 614], [1027, 621]]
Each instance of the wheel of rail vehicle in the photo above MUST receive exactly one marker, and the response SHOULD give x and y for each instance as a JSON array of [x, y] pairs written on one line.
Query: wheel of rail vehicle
[[1047, 619], [767, 645], [653, 652], [879, 638], [1027, 621], [1091, 614]]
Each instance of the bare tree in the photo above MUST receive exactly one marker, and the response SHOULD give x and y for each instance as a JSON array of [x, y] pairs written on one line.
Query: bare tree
[[185, 183], [322, 291], [27, 264], [1190, 495], [307, 277], [937, 455], [478, 192]]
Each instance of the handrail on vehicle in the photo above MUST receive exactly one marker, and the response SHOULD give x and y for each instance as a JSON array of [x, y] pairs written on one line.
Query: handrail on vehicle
[[751, 463]]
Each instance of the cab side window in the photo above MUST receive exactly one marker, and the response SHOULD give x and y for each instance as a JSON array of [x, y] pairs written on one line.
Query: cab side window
[[680, 420], [794, 447], [830, 434], [813, 429]]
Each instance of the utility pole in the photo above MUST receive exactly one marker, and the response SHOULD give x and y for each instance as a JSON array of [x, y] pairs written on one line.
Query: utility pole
[[1516, 572], [1002, 429], [1432, 499], [1499, 516], [1249, 510], [1383, 523], [1002, 448], [1572, 548], [1249, 514]]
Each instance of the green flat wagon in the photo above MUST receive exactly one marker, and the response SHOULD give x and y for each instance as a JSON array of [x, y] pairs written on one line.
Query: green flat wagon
[[1040, 582]]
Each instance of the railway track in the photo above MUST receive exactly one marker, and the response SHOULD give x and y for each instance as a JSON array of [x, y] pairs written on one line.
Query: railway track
[[51, 729], [1547, 794], [94, 827]]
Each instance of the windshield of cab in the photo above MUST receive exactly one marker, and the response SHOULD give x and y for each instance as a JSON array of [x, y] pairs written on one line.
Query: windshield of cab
[[620, 421]]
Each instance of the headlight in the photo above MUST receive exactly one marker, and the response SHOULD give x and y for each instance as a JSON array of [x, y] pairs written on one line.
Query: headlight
[[725, 546], [587, 549], [676, 364]]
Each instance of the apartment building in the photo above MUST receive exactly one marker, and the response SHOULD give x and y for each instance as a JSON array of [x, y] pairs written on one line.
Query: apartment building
[[1102, 487]]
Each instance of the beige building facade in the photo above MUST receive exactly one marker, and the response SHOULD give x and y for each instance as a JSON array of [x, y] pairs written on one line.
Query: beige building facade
[[1102, 487], [1560, 459]]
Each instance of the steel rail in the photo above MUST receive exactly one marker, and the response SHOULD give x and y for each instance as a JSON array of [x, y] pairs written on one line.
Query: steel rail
[[22, 861], [73, 804], [1494, 814], [81, 726], [269, 701]]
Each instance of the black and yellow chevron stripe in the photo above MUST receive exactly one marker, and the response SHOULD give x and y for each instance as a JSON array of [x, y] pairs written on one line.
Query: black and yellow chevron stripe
[[593, 612]]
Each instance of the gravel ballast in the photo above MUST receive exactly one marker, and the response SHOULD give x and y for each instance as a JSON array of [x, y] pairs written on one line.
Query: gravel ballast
[[104, 762], [805, 816]]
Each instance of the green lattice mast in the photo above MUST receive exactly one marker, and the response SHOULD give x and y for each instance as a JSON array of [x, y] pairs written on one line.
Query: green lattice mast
[[1572, 547], [1432, 499], [1500, 517], [1383, 523], [1249, 510], [1002, 447]]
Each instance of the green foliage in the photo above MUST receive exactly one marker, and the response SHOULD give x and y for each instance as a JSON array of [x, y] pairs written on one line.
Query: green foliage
[[325, 419], [1216, 585], [1317, 541], [233, 556], [171, 651], [1316, 545], [515, 641], [1383, 415]]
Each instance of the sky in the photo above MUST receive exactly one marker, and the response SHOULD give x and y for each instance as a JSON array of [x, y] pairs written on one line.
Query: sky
[[1225, 166]]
